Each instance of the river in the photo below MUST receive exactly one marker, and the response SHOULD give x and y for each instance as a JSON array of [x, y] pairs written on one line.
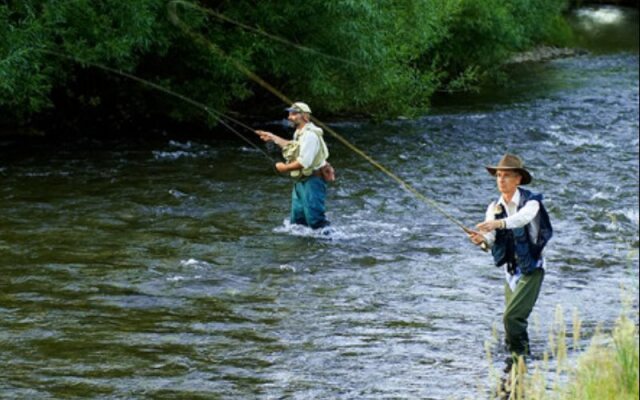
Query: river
[[162, 268]]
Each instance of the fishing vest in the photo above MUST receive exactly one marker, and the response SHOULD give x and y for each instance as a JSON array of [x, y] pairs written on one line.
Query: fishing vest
[[515, 247], [291, 152]]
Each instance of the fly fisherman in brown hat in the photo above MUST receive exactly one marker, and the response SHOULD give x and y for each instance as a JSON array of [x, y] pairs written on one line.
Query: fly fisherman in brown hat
[[516, 228], [306, 161]]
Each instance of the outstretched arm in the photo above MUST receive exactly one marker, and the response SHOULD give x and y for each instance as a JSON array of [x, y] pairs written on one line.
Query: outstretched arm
[[482, 237], [525, 215], [270, 137]]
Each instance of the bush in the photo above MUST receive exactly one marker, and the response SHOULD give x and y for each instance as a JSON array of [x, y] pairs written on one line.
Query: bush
[[378, 58]]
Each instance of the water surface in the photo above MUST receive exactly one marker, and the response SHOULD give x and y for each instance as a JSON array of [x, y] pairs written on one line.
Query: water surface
[[163, 268]]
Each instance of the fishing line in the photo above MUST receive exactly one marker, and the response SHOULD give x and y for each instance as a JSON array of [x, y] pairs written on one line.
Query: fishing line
[[214, 113], [173, 16]]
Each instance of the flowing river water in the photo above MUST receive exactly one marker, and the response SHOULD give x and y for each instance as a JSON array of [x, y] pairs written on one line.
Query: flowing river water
[[163, 268]]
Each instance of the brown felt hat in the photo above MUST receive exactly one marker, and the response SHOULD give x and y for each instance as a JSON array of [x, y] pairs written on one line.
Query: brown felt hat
[[510, 162]]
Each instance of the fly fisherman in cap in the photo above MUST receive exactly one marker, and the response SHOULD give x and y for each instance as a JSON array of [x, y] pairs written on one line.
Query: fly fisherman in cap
[[306, 160], [516, 228]]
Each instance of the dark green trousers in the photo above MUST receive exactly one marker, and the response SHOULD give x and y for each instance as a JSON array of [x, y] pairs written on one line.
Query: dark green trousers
[[518, 306]]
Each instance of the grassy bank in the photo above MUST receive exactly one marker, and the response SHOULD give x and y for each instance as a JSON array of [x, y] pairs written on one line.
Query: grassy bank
[[607, 369]]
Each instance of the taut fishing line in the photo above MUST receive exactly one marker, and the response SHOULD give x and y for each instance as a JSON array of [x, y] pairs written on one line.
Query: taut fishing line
[[173, 16]]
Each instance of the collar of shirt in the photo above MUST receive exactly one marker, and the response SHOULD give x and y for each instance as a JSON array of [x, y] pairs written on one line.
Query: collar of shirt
[[300, 131], [512, 206]]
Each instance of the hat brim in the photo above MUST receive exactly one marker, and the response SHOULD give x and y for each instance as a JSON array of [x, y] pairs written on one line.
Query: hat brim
[[296, 110], [526, 176]]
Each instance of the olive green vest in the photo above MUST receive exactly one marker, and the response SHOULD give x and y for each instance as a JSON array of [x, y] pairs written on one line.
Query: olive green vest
[[291, 152]]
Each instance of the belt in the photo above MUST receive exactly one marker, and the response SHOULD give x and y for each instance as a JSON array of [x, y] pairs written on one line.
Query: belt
[[303, 177]]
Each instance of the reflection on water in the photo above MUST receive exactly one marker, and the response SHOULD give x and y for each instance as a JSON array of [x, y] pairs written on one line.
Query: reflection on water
[[591, 18], [163, 269], [606, 29]]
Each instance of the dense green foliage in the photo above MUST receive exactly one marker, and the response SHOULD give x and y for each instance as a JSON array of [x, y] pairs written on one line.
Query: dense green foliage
[[392, 54]]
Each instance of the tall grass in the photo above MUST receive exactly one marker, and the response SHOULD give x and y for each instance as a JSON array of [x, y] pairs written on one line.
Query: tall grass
[[607, 370]]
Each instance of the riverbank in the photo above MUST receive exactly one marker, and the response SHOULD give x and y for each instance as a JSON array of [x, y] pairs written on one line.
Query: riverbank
[[367, 58], [545, 53], [110, 106], [606, 369]]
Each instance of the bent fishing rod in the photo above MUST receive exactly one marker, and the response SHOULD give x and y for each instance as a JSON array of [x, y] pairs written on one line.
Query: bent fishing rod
[[173, 17]]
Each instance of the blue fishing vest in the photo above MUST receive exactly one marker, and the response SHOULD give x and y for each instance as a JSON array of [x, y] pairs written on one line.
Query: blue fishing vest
[[515, 247]]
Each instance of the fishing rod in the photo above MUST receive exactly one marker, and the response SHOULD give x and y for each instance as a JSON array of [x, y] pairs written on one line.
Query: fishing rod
[[220, 117], [173, 16]]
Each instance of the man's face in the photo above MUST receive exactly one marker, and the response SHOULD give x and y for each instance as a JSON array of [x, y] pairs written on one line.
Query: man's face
[[295, 118], [508, 181]]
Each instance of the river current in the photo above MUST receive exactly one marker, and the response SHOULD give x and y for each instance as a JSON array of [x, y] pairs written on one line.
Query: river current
[[164, 268]]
